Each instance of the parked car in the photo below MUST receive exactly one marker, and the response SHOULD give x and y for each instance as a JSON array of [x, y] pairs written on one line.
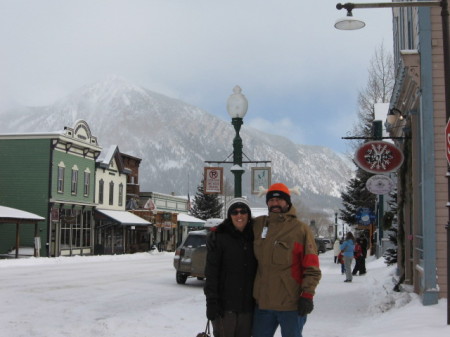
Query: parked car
[[321, 246], [190, 256], [328, 244]]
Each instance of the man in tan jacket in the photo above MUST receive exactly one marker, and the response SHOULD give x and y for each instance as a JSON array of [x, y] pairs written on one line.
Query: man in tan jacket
[[288, 268]]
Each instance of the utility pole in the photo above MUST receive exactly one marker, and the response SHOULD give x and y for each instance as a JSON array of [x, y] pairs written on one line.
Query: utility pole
[[335, 225]]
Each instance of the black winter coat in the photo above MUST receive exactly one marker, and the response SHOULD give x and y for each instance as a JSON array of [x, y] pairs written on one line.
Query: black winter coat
[[230, 268]]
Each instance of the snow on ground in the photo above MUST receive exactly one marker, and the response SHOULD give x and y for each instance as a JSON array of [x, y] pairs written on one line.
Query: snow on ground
[[136, 295]]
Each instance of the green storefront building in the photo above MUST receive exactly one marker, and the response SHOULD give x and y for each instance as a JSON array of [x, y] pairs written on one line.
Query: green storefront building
[[52, 175]]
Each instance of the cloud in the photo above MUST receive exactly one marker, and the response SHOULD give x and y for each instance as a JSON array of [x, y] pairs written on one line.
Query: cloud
[[283, 127], [286, 55]]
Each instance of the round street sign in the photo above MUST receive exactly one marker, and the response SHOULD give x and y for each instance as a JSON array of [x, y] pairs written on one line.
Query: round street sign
[[379, 184], [379, 157], [365, 216]]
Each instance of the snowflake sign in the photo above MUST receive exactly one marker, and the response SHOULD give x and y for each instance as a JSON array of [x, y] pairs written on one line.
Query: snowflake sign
[[379, 157]]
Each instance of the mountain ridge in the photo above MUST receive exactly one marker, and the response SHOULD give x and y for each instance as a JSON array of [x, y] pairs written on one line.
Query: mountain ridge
[[174, 139]]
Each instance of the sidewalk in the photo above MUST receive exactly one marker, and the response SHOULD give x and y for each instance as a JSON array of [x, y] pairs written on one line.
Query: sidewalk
[[368, 307]]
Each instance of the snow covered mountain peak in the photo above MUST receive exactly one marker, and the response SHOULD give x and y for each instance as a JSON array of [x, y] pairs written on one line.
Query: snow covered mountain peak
[[174, 139]]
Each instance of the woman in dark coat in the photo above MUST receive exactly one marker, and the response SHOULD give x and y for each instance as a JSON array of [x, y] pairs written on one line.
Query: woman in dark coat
[[358, 256], [230, 272]]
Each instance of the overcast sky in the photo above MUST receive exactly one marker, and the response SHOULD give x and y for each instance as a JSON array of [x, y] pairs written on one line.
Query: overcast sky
[[300, 75]]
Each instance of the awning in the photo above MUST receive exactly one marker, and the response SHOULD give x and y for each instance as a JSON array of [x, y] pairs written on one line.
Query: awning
[[13, 215], [124, 218], [189, 220], [18, 217]]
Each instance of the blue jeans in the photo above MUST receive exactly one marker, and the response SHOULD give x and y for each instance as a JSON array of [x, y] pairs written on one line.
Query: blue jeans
[[348, 267], [266, 322]]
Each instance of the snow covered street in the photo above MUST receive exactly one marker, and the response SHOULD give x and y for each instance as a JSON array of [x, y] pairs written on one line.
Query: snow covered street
[[136, 295]]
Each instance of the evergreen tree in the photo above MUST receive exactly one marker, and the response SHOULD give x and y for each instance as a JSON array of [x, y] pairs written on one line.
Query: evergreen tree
[[206, 206], [391, 225], [390, 217], [390, 255], [356, 196], [378, 90]]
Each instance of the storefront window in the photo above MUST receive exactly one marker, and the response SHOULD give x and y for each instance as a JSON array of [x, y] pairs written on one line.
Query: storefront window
[[66, 220], [76, 229], [87, 229]]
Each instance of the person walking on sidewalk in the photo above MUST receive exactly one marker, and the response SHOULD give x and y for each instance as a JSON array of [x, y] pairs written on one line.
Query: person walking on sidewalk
[[336, 250], [358, 258], [288, 268], [341, 262], [347, 248], [362, 269]]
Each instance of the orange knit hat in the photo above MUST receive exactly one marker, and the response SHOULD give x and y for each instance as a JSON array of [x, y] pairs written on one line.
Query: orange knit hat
[[279, 190]]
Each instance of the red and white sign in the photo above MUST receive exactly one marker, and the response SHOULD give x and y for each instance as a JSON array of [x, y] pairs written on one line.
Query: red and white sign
[[379, 157], [447, 140], [379, 184], [213, 182], [55, 214]]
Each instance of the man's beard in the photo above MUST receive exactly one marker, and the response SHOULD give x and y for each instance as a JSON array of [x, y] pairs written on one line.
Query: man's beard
[[281, 209], [271, 209]]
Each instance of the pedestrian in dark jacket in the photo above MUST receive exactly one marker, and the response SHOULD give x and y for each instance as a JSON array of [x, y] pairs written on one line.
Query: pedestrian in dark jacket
[[358, 257], [230, 273], [362, 269]]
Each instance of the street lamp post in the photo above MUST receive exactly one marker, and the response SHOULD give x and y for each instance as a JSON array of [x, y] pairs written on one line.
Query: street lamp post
[[237, 106], [351, 23], [335, 225]]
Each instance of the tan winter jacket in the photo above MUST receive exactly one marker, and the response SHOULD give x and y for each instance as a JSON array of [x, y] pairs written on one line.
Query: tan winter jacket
[[288, 264]]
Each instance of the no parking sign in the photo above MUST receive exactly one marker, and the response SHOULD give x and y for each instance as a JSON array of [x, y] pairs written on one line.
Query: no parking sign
[[213, 183]]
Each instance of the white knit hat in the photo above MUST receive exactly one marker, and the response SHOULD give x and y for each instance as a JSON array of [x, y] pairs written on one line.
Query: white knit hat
[[237, 203]]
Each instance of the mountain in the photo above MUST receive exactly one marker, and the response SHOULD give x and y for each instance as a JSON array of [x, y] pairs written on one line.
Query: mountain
[[174, 139]]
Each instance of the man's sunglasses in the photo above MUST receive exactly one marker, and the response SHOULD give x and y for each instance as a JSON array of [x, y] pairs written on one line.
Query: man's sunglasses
[[236, 212]]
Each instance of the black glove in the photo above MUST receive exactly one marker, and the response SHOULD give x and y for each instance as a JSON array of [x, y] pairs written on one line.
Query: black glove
[[212, 310], [305, 306]]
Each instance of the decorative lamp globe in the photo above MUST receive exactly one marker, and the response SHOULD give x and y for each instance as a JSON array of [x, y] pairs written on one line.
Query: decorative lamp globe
[[237, 104]]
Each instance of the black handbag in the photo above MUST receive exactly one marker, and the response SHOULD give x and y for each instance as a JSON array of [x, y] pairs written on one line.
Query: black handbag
[[206, 333]]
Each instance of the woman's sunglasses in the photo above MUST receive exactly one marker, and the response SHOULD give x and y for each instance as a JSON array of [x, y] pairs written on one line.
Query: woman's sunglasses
[[236, 212]]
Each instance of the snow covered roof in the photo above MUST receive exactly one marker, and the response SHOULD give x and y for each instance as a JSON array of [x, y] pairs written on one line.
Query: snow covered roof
[[18, 135], [189, 218], [106, 156], [14, 215], [124, 217]]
